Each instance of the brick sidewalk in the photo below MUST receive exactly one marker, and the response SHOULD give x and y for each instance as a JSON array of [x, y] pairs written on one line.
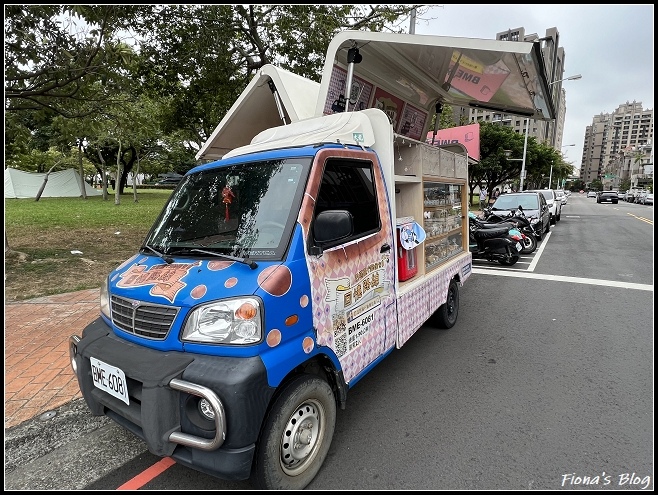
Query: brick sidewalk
[[38, 374]]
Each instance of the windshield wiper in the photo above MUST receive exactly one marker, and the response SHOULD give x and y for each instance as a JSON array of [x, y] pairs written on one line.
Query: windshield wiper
[[251, 264], [167, 259]]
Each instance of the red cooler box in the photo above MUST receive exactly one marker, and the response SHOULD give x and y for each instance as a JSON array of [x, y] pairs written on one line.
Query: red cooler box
[[409, 234]]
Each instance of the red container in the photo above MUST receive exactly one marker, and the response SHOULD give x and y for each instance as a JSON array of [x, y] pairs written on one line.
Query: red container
[[407, 266]]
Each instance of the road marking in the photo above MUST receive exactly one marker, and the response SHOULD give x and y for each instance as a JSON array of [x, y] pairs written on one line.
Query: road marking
[[642, 219], [148, 474], [539, 250], [560, 278]]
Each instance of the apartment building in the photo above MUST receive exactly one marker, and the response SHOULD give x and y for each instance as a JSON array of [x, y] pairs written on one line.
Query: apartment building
[[618, 146]]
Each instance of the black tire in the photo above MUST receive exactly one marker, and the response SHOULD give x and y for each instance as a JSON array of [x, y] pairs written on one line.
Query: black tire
[[559, 215], [552, 220], [529, 244], [446, 315], [548, 228], [539, 235], [296, 435], [508, 260]]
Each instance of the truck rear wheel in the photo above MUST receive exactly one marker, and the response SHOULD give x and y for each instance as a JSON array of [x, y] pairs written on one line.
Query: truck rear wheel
[[296, 435], [446, 315]]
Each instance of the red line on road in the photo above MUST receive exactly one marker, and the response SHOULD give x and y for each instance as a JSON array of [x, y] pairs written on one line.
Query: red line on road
[[147, 475]]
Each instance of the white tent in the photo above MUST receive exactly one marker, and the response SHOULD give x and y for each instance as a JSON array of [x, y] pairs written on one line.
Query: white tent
[[65, 183]]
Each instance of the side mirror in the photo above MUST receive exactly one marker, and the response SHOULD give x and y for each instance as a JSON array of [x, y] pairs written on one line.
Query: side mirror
[[331, 226]]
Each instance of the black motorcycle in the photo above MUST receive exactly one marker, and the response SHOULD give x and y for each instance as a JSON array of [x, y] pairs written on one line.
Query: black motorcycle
[[518, 219], [493, 243]]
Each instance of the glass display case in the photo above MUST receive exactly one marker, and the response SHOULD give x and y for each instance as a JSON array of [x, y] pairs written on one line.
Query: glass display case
[[443, 222]]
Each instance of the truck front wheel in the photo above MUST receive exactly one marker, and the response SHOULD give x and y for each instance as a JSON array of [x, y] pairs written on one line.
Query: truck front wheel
[[296, 435]]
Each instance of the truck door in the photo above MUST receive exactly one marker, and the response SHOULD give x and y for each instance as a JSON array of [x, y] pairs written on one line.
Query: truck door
[[352, 280]]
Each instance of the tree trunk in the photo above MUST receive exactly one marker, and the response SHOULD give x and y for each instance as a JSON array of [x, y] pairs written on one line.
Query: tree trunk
[[135, 176], [103, 175], [117, 187], [45, 181], [83, 188]]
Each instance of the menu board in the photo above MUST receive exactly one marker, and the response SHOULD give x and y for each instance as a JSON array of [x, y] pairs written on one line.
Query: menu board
[[412, 122], [389, 104], [359, 94]]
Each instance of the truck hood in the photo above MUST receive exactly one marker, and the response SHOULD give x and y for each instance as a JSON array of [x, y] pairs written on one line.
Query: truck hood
[[186, 282]]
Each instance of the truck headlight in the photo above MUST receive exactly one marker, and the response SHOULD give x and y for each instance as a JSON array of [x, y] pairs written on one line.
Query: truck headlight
[[105, 299], [231, 321]]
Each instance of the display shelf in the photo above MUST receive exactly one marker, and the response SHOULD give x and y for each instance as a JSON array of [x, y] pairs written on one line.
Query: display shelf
[[442, 249], [442, 221], [431, 238], [403, 179], [430, 186]]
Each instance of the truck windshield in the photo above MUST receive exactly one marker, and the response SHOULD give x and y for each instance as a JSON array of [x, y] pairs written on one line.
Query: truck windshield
[[245, 210]]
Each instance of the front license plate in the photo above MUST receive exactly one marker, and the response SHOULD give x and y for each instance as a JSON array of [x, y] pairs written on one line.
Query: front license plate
[[110, 379], [519, 247]]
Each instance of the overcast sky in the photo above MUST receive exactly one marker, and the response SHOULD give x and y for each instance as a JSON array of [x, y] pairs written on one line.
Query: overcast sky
[[610, 45]]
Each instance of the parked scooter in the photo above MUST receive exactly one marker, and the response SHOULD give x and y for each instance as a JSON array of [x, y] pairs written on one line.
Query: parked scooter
[[501, 244], [518, 219]]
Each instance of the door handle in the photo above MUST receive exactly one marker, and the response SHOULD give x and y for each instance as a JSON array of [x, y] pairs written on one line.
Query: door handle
[[385, 247]]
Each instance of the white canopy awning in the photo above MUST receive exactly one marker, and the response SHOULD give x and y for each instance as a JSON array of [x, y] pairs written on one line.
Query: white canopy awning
[[256, 110]]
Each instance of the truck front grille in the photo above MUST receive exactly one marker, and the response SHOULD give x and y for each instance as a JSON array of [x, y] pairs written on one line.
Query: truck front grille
[[152, 321]]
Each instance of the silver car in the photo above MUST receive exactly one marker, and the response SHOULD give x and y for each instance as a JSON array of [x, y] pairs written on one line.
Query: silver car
[[554, 206], [562, 196]]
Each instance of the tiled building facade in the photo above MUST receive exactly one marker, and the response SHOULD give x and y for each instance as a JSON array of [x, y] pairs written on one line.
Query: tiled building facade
[[618, 147]]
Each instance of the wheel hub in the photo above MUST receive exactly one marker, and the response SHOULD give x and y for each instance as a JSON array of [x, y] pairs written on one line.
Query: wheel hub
[[300, 437]]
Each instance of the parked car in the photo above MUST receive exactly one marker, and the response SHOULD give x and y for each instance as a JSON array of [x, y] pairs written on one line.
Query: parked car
[[554, 205], [591, 194], [646, 198], [168, 181], [621, 195], [534, 207], [607, 197], [562, 196]]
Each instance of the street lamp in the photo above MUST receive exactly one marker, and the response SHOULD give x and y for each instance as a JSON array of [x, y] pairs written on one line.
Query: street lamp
[[550, 176], [556, 100], [522, 160], [570, 78]]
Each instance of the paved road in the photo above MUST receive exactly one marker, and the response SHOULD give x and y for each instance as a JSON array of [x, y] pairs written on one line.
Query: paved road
[[520, 394]]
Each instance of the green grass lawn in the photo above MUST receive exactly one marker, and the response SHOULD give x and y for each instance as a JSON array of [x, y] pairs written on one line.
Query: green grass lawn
[[41, 236], [93, 212]]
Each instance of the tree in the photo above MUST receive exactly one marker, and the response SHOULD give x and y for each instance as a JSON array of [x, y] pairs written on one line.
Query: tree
[[596, 185], [201, 57], [625, 185], [54, 54], [90, 63], [494, 168]]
